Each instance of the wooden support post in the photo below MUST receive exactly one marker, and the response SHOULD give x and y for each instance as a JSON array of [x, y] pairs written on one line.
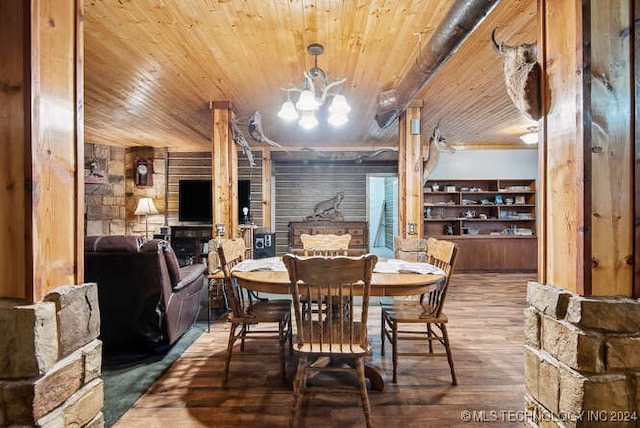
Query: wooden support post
[[42, 153], [588, 161], [410, 164], [224, 171]]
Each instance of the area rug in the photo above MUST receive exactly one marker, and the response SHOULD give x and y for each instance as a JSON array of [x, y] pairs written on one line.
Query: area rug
[[125, 382]]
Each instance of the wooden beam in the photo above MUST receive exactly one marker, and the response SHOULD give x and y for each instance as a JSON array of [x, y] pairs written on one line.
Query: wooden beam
[[409, 175], [223, 162]]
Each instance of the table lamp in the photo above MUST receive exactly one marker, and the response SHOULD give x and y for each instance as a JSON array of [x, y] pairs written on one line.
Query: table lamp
[[145, 207]]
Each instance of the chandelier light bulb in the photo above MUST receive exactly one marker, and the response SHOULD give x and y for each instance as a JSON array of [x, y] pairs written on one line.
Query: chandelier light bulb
[[337, 119], [339, 105], [308, 120], [307, 101], [288, 111]]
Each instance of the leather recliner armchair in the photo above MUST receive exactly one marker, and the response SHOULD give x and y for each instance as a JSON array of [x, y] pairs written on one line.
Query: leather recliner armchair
[[147, 301]]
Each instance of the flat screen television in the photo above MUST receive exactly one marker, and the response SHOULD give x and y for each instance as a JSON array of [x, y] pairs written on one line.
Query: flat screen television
[[195, 201]]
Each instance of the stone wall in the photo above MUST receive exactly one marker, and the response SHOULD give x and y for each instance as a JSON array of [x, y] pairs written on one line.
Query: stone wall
[[50, 360], [582, 359], [105, 212], [111, 196]]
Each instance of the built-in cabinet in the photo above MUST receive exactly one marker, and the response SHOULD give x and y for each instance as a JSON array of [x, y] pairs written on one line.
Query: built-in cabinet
[[493, 221]]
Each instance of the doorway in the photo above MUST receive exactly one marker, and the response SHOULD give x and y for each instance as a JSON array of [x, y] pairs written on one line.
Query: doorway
[[382, 213]]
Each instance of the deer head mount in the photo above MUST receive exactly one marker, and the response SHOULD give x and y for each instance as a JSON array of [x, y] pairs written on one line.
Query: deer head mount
[[437, 143], [522, 74]]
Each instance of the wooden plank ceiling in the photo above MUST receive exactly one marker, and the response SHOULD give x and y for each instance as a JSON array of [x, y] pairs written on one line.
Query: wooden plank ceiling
[[153, 66]]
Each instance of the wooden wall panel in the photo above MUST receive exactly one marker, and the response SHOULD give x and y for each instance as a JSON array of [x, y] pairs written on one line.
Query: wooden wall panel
[[299, 187], [197, 166], [184, 166], [612, 153], [255, 174]]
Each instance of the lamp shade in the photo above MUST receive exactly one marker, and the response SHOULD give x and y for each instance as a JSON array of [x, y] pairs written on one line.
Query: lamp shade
[[308, 120], [288, 111], [145, 207], [337, 119], [339, 105], [307, 102]]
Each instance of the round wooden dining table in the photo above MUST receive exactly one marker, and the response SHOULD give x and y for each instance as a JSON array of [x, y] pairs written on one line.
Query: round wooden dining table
[[391, 277]]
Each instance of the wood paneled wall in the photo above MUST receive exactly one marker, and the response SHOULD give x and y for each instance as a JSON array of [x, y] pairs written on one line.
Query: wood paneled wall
[[299, 187], [197, 166]]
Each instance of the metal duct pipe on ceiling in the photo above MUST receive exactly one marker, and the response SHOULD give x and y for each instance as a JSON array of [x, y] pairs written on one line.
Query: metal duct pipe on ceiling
[[460, 21]]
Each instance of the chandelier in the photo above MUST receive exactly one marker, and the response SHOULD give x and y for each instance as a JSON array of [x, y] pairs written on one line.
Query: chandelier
[[314, 94]]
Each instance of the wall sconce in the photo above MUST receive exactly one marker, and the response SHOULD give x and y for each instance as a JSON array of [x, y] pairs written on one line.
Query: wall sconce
[[415, 126]]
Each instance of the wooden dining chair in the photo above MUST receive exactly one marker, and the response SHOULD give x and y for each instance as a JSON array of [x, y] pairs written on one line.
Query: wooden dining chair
[[325, 244], [341, 333], [247, 311], [427, 312]]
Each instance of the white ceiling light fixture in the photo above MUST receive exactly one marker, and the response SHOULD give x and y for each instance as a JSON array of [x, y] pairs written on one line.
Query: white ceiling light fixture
[[313, 95], [530, 137]]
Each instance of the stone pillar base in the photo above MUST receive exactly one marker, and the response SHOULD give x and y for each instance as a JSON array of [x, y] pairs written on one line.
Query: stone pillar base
[[50, 360], [582, 359]]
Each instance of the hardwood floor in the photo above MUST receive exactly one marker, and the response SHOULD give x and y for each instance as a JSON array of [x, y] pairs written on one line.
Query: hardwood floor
[[486, 329]]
